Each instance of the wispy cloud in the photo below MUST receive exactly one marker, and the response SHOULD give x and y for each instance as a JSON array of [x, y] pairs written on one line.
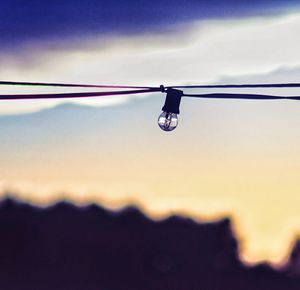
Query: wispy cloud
[[202, 52]]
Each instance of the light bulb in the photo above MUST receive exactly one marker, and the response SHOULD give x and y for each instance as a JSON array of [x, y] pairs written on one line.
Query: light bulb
[[167, 121]]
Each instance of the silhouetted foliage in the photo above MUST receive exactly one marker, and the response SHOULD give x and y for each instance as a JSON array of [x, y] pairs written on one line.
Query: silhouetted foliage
[[69, 248]]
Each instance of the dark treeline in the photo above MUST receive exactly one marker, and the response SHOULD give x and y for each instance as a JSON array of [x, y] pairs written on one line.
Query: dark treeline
[[64, 247]]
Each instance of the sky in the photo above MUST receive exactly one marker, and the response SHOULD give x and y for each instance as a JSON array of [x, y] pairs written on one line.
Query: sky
[[241, 156]]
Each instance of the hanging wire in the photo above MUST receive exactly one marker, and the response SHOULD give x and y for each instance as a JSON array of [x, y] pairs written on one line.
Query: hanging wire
[[145, 89], [10, 83], [283, 85], [240, 96], [76, 95]]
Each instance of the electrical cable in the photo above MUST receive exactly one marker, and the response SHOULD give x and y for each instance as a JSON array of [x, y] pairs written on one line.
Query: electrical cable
[[241, 96], [10, 83], [145, 89], [273, 85], [282, 85], [76, 95]]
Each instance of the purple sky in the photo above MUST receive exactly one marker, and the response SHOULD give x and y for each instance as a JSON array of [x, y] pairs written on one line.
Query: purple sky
[[35, 20]]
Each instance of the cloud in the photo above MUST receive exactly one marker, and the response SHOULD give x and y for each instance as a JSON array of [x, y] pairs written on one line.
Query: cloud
[[224, 51], [71, 19]]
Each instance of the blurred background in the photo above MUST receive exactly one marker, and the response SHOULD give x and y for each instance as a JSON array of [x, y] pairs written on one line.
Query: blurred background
[[228, 159]]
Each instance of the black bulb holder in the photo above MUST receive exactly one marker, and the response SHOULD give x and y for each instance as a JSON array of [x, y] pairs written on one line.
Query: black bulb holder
[[172, 101]]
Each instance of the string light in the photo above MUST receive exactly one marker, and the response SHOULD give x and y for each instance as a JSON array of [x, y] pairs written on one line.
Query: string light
[[168, 119]]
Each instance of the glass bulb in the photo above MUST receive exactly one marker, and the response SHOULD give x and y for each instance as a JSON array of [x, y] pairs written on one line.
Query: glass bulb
[[167, 121]]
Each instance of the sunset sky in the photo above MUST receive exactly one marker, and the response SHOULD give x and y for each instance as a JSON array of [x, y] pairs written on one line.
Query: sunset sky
[[227, 157]]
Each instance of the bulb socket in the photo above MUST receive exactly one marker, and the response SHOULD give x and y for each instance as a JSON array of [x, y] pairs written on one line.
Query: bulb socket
[[172, 101]]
